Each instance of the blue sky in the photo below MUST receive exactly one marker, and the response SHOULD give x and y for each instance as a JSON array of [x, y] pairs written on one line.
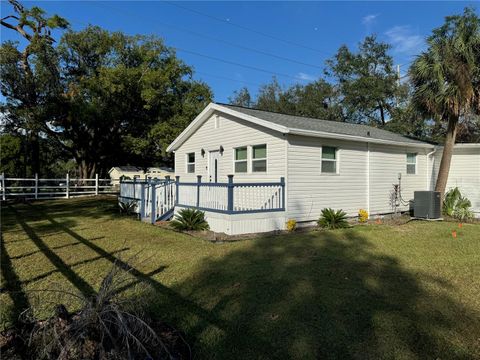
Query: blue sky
[[303, 34]]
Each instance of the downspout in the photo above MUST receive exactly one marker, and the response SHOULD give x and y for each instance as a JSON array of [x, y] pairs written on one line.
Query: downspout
[[428, 172], [368, 179]]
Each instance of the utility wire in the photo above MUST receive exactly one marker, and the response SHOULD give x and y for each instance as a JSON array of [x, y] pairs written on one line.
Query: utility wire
[[250, 67], [286, 41]]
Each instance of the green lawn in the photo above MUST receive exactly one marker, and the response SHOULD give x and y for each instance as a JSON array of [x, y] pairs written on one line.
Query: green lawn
[[377, 291]]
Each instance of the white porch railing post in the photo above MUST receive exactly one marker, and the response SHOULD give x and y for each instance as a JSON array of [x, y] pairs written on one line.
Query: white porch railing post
[[67, 186], [36, 186], [3, 186], [96, 184]]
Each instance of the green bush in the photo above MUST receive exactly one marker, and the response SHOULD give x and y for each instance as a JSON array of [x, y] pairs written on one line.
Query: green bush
[[190, 219], [331, 219], [457, 206]]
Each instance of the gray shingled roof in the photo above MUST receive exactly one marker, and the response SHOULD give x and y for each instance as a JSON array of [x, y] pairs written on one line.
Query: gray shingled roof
[[334, 127]]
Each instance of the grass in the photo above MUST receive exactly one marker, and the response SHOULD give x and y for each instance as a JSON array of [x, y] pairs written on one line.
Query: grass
[[377, 291]]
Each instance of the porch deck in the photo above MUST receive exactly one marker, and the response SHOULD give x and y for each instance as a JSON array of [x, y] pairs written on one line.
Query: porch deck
[[231, 208]]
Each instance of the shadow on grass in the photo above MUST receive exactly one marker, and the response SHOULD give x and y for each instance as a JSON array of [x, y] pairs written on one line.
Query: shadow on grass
[[324, 295], [11, 284]]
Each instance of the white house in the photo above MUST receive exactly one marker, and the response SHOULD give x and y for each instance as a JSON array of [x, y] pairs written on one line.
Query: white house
[[322, 163], [135, 172]]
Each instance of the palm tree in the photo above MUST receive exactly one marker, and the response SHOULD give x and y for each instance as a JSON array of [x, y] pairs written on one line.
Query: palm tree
[[446, 79]]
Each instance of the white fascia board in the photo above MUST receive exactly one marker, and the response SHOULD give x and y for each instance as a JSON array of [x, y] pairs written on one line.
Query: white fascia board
[[337, 136], [204, 115]]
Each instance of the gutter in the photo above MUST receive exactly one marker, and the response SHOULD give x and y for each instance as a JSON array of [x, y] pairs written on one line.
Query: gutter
[[428, 171]]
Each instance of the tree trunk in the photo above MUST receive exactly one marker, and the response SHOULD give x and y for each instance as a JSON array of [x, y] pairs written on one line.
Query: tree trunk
[[447, 155]]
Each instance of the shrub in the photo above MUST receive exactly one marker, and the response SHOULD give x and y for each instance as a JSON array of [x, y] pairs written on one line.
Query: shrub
[[291, 225], [127, 208], [190, 219], [457, 206], [331, 219], [362, 215], [107, 326]]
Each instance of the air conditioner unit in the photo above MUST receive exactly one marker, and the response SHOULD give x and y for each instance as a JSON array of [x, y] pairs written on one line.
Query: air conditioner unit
[[427, 205]]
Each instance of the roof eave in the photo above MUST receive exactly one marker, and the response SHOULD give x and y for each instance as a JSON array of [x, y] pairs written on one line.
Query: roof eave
[[338, 136]]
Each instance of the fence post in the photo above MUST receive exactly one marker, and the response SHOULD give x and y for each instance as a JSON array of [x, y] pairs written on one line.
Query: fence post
[[67, 186], [3, 187], [177, 184], [142, 201], [96, 184], [153, 199], [230, 193], [36, 186], [199, 181], [282, 184]]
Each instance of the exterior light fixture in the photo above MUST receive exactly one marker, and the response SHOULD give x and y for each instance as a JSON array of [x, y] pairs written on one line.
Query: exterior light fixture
[[221, 149], [202, 152]]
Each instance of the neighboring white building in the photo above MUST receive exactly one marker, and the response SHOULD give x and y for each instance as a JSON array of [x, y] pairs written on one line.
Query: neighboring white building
[[324, 163], [135, 172]]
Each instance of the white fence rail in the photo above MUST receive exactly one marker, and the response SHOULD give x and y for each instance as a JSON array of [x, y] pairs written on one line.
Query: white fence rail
[[42, 188]]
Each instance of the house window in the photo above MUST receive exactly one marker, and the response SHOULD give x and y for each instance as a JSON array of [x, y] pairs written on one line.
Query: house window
[[411, 163], [259, 158], [191, 163], [329, 159], [241, 160]]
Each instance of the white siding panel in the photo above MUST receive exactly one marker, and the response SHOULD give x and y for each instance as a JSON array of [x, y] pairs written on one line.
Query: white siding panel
[[309, 191], [231, 133], [464, 173], [386, 162]]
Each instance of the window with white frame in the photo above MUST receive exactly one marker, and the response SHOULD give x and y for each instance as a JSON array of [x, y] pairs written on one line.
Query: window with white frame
[[329, 159], [241, 160], [411, 163], [191, 163], [259, 158]]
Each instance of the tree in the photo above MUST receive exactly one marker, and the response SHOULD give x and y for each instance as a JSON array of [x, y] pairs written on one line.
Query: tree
[[241, 98], [317, 99], [446, 79], [29, 76], [366, 81], [119, 91]]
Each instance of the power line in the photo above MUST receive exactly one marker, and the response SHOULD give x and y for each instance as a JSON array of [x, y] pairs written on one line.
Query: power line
[[286, 41], [250, 67]]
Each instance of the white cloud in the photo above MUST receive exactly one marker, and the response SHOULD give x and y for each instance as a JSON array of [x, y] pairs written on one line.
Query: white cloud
[[369, 19], [404, 40], [306, 77]]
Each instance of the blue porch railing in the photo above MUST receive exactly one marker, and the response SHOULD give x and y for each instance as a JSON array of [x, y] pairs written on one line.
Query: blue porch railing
[[230, 197], [156, 199]]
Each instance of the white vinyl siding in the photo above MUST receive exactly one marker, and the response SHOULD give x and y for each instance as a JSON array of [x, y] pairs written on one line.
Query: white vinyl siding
[[231, 134], [464, 173], [309, 191], [386, 163]]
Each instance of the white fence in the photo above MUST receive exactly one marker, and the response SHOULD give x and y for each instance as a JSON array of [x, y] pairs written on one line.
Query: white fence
[[40, 188]]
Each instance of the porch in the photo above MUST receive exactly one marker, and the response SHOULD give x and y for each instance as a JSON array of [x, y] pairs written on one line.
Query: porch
[[232, 208]]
